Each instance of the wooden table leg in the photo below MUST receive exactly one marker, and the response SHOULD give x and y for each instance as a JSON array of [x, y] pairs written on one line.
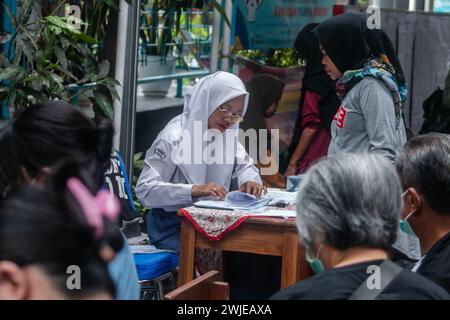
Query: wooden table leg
[[187, 252], [289, 262]]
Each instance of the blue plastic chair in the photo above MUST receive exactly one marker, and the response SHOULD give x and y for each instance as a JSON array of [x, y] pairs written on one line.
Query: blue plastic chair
[[156, 273]]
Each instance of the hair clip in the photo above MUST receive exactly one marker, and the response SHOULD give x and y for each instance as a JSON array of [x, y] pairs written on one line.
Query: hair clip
[[103, 205]]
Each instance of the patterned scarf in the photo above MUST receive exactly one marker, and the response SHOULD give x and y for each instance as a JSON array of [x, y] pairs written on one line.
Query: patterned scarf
[[381, 69]]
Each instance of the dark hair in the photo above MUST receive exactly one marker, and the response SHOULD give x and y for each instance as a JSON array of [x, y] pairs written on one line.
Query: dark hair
[[48, 132], [9, 169], [44, 135], [424, 164], [45, 226]]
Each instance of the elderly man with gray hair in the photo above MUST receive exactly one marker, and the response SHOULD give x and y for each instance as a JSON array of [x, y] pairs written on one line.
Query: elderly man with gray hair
[[424, 168], [348, 210]]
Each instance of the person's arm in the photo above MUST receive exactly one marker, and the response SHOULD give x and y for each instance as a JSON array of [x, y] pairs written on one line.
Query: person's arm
[[303, 144], [310, 121], [154, 189], [273, 180], [380, 120], [244, 167]]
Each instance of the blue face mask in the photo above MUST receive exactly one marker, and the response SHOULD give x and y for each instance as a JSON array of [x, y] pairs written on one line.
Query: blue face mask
[[404, 224], [315, 263]]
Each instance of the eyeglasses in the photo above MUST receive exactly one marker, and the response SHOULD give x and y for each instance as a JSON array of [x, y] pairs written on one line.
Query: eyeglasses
[[235, 117]]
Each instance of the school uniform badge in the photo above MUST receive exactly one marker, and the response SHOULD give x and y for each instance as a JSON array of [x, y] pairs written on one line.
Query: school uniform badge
[[160, 153]]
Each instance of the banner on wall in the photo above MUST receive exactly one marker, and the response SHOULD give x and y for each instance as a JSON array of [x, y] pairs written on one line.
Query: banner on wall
[[264, 24], [441, 6]]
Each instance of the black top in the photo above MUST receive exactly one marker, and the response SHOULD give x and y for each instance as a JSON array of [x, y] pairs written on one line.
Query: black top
[[436, 264], [340, 283]]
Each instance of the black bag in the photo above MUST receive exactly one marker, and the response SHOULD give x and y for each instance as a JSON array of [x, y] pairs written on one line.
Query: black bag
[[436, 115]]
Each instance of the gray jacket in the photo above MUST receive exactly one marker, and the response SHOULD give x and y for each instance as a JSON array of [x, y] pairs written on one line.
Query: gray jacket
[[366, 121]]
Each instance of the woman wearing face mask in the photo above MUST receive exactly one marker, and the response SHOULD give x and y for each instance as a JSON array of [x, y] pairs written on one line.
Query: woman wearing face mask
[[348, 208], [197, 155], [55, 240], [370, 85], [44, 134], [265, 92], [318, 105]]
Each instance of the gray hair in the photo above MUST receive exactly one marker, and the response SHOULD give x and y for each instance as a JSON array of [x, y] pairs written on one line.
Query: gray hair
[[349, 200]]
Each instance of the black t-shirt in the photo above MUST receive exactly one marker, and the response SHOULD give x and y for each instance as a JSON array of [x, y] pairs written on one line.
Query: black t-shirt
[[340, 283], [436, 264]]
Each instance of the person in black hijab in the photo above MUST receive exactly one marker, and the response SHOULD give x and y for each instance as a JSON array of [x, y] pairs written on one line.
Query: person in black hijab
[[318, 104], [370, 85]]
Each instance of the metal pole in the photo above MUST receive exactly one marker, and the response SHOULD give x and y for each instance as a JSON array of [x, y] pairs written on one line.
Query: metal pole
[[225, 61], [213, 65], [120, 68], [127, 129]]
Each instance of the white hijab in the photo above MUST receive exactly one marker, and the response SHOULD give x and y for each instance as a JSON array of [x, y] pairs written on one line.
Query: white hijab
[[200, 102]]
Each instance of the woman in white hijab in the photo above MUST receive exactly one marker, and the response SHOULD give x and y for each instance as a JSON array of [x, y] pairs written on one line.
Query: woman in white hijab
[[197, 155]]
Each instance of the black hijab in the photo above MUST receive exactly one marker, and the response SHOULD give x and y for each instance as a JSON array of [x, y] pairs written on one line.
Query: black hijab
[[380, 45], [349, 44], [315, 80], [342, 37]]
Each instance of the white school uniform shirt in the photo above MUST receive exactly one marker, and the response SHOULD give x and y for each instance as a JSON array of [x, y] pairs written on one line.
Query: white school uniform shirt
[[165, 184]]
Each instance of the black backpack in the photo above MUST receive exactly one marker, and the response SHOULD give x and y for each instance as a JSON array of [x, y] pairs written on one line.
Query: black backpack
[[436, 115]]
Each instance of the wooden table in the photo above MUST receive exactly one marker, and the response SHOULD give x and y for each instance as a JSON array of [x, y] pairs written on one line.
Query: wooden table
[[271, 236]]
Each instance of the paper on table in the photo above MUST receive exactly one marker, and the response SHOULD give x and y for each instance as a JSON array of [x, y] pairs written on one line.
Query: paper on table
[[236, 200], [281, 195], [278, 213], [211, 204], [145, 249]]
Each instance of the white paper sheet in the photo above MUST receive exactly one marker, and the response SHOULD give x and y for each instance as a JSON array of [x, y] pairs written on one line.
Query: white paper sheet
[[281, 195], [278, 213], [237, 200]]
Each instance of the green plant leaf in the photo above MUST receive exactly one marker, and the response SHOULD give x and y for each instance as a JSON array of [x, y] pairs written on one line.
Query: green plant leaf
[[61, 56], [103, 69], [65, 43], [112, 90], [104, 104], [27, 10], [4, 62], [56, 21], [56, 78], [84, 37], [10, 72], [41, 78], [66, 72]]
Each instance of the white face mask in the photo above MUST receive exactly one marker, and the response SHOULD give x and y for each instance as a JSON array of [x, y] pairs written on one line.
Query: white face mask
[[404, 224]]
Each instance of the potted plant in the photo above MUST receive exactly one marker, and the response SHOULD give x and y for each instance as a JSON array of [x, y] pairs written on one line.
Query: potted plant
[[161, 38], [53, 60]]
